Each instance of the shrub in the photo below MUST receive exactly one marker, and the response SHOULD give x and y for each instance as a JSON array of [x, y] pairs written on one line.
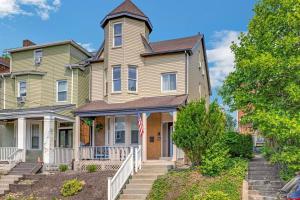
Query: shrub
[[216, 195], [239, 145], [71, 187], [215, 160], [63, 168], [91, 168], [198, 128]]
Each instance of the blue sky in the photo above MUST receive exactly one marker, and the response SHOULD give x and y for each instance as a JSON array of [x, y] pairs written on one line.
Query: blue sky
[[45, 21]]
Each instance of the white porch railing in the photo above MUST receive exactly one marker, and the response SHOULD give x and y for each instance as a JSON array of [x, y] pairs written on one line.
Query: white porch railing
[[114, 153], [116, 183], [16, 157], [138, 158], [5, 152], [63, 155]]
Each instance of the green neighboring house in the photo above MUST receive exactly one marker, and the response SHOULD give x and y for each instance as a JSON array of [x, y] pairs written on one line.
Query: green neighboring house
[[44, 85]]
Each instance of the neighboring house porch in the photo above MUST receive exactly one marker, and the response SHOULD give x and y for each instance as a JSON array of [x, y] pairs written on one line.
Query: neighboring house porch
[[43, 134], [109, 131]]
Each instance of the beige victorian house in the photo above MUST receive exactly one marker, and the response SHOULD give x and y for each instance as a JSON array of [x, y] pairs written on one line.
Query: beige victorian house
[[132, 76]]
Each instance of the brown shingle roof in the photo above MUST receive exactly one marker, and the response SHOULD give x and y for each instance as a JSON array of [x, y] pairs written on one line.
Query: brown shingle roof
[[143, 103], [4, 65], [129, 9], [175, 45]]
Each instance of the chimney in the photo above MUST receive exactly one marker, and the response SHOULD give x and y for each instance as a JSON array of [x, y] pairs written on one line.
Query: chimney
[[27, 43]]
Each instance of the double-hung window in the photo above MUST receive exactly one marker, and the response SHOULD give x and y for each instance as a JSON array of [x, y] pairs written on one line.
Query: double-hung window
[[119, 130], [134, 130], [22, 89], [169, 82], [116, 86], [117, 35], [132, 78], [62, 90], [38, 54]]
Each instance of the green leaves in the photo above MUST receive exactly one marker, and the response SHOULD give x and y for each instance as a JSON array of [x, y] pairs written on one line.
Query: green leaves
[[266, 82]]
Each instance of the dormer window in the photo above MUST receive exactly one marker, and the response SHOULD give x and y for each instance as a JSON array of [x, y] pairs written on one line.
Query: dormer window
[[117, 42], [38, 54]]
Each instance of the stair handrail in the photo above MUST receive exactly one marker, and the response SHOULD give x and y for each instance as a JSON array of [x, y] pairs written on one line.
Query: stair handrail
[[15, 157], [116, 183]]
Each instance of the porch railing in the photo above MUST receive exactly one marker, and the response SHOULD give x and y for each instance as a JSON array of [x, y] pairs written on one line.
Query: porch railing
[[116, 183], [5, 152], [16, 157], [138, 158], [114, 153], [63, 155]]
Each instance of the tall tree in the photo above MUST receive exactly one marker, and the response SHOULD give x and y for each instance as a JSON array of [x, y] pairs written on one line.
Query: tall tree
[[266, 80]]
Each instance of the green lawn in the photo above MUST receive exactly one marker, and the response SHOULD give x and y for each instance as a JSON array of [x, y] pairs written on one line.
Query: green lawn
[[190, 184]]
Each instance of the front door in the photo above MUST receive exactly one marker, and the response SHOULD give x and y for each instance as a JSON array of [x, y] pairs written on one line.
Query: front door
[[65, 138], [34, 141], [154, 136]]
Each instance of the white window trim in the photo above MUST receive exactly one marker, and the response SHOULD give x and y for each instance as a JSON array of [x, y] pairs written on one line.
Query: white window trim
[[19, 87], [114, 46], [57, 91], [161, 82], [112, 78], [114, 133], [136, 80], [34, 55]]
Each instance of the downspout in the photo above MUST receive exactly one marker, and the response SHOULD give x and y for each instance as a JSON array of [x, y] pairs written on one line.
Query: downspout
[[72, 81], [186, 72]]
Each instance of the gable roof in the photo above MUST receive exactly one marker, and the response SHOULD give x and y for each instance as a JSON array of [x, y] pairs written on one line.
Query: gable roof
[[129, 9], [174, 45]]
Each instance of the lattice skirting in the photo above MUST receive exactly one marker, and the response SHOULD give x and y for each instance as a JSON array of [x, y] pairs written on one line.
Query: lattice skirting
[[102, 165]]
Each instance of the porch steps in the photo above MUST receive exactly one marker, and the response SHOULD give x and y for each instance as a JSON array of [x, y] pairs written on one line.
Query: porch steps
[[263, 180], [141, 183], [6, 180], [25, 169], [4, 167]]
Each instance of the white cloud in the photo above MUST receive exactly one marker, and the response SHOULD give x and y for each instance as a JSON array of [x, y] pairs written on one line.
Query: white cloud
[[88, 46], [42, 8], [220, 57]]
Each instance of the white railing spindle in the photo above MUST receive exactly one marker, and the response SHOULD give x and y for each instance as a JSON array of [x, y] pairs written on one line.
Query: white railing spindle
[[5, 152], [138, 158]]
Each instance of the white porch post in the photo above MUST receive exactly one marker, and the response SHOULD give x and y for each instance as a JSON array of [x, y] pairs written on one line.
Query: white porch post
[[48, 152], [174, 146], [21, 143], [77, 138], [144, 117]]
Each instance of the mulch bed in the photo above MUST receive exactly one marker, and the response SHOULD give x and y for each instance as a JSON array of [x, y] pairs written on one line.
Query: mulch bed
[[48, 186]]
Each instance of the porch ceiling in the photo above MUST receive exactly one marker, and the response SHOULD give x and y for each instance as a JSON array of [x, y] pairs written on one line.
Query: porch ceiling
[[146, 104]]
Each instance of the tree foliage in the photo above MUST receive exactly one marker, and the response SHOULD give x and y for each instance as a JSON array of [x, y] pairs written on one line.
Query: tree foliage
[[197, 128], [266, 80]]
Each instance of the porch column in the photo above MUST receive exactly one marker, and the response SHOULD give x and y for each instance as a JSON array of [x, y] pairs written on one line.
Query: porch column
[[174, 146], [76, 138], [21, 143], [144, 117], [48, 150]]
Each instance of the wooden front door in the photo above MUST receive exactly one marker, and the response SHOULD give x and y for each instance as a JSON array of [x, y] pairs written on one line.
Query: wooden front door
[[154, 136]]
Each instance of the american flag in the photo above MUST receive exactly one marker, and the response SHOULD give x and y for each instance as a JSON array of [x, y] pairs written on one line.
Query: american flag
[[140, 124]]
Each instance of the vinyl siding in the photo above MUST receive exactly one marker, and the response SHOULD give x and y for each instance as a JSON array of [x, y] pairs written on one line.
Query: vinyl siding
[[150, 77], [198, 86], [83, 86], [42, 90], [97, 81], [1, 93]]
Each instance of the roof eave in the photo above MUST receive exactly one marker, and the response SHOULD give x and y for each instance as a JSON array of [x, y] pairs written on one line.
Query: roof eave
[[166, 52], [130, 15]]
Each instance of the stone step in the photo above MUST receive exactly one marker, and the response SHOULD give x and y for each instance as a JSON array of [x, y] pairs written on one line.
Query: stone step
[[157, 170], [133, 196], [145, 177], [262, 168], [136, 191], [263, 177], [262, 193], [265, 187], [264, 182], [253, 197], [141, 181], [259, 164], [139, 186], [269, 173]]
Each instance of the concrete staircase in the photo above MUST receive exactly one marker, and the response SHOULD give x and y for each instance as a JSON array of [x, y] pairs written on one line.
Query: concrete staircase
[[6, 180], [17, 173], [141, 183], [263, 180]]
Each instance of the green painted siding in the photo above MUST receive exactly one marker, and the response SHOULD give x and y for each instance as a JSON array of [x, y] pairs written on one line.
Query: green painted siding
[[7, 135], [42, 89], [1, 93], [83, 86]]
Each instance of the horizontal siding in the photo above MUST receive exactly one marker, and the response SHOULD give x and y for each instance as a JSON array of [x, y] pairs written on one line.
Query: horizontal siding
[[97, 82], [150, 77], [83, 86], [1, 94], [10, 102]]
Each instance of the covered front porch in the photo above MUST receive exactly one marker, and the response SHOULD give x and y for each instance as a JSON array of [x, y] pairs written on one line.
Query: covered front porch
[[42, 135], [110, 131]]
